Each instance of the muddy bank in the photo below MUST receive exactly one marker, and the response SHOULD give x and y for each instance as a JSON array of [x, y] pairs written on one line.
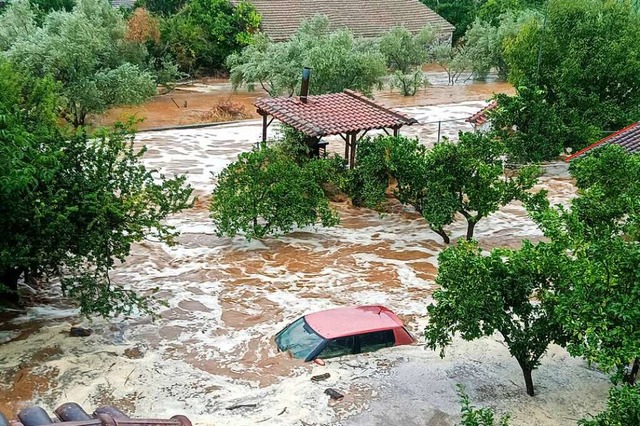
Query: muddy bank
[[189, 103]]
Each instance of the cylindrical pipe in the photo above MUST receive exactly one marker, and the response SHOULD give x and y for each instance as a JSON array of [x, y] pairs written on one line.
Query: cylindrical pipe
[[71, 412], [304, 89], [34, 416], [111, 411]]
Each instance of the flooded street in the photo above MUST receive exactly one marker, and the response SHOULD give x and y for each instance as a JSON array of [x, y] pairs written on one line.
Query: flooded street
[[212, 349]]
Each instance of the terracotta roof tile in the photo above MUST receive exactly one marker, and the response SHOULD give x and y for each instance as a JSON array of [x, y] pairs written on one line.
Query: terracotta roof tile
[[480, 117], [628, 138], [332, 114], [366, 18]]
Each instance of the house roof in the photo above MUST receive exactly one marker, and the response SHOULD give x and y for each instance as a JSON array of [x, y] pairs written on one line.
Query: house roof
[[366, 18], [481, 117], [628, 138], [332, 114], [350, 321]]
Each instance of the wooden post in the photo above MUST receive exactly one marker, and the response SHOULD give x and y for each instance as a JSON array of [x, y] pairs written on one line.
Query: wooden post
[[264, 128], [346, 147], [352, 154], [396, 131]]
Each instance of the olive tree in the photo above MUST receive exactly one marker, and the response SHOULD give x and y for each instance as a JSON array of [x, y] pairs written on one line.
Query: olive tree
[[339, 61], [405, 54], [86, 51], [506, 292]]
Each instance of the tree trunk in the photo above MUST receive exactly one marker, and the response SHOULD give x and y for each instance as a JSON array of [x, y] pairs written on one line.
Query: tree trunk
[[471, 224], [631, 376], [528, 380], [443, 234], [9, 277]]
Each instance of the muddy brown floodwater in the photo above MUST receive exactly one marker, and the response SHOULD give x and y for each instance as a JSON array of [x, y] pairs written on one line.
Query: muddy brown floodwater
[[212, 346]]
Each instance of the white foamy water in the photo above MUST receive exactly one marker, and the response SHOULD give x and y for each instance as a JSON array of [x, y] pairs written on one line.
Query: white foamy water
[[212, 347]]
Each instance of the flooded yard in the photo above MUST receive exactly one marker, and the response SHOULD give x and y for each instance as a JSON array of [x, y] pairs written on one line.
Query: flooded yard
[[212, 348]]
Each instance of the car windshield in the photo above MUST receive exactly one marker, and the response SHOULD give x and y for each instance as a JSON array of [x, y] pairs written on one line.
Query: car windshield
[[299, 339]]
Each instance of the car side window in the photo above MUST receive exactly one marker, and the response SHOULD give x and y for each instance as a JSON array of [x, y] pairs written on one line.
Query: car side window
[[370, 342], [338, 347]]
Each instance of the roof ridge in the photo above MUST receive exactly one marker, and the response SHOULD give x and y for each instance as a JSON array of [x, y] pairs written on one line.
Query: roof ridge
[[363, 98], [601, 141]]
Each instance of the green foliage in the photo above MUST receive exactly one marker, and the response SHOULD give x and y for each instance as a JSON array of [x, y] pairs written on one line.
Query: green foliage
[[599, 293], [460, 13], [464, 177], [338, 60], [16, 22], [86, 52], [72, 205], [405, 54], [205, 32], [507, 291], [623, 408], [266, 193], [486, 40], [368, 181], [575, 51], [472, 416], [161, 7], [453, 60], [528, 125]]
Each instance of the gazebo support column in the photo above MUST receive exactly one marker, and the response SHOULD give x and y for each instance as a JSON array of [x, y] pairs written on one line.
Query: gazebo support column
[[396, 131], [352, 150], [264, 128]]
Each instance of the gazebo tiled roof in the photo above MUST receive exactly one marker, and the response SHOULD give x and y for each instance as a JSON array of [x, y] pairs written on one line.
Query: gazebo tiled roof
[[332, 114], [628, 138], [480, 117]]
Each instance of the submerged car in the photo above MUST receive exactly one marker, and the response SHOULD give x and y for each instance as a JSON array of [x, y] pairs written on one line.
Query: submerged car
[[343, 331]]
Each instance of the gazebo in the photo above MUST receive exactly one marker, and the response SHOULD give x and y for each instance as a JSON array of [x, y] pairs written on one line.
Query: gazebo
[[348, 114]]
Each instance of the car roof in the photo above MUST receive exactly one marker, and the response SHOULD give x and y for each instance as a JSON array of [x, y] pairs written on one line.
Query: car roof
[[341, 322]]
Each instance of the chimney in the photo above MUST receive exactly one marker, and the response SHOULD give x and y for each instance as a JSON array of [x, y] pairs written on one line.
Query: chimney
[[304, 89]]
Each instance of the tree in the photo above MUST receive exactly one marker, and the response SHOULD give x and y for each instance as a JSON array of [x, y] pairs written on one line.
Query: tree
[[528, 125], [569, 56], [72, 205], [17, 21], [266, 192], [623, 408], [460, 13], [485, 41], [338, 60], [86, 52], [599, 293], [405, 54], [161, 7], [205, 32], [453, 60], [507, 291]]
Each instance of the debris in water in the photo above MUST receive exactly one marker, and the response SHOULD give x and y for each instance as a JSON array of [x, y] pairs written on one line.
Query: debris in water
[[320, 377], [235, 407], [334, 394], [80, 332]]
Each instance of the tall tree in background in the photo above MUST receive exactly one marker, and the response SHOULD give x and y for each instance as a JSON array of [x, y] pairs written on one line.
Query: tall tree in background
[[204, 33], [338, 60], [460, 13], [86, 51], [405, 54]]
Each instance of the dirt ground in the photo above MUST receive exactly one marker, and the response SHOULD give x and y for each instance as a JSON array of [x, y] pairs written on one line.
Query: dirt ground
[[188, 103]]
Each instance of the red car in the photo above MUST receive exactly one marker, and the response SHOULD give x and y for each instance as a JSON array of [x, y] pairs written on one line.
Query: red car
[[343, 331]]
